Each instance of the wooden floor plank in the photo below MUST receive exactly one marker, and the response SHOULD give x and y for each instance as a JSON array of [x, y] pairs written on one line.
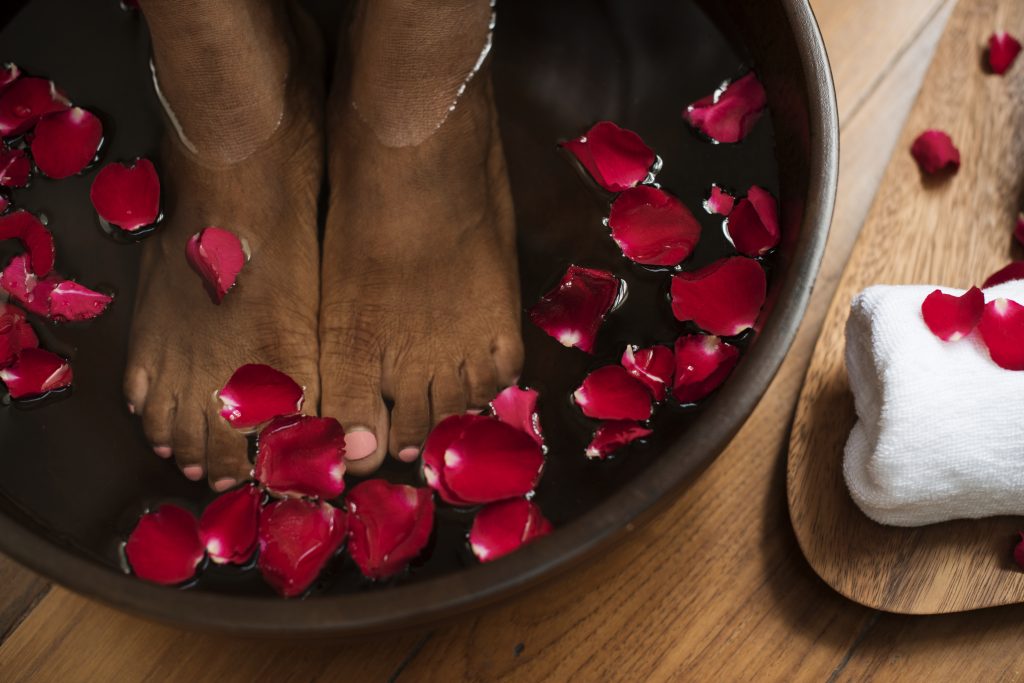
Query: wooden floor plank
[[21, 590]]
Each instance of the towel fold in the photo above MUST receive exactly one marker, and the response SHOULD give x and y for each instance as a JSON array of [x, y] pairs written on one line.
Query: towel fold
[[940, 428]]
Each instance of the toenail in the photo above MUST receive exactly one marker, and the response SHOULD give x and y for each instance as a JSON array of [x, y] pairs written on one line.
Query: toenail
[[163, 451], [408, 454], [193, 472], [359, 443], [131, 408], [222, 484], [474, 411]]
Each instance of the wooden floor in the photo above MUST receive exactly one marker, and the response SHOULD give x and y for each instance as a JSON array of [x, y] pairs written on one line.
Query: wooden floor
[[714, 589]]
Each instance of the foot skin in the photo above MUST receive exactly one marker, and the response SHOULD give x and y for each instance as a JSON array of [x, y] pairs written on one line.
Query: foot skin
[[420, 302], [183, 346]]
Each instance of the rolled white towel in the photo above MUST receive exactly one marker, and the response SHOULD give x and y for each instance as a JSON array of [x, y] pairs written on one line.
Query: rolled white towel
[[940, 428]]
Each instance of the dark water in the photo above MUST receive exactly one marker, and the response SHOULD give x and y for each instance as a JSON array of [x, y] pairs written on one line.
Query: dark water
[[79, 469]]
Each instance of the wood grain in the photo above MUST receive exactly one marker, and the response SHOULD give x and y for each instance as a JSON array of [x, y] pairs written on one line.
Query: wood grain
[[953, 232]]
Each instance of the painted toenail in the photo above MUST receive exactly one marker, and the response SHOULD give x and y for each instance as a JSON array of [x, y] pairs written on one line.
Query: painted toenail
[[359, 443], [193, 472], [408, 454], [163, 451], [474, 411], [222, 484]]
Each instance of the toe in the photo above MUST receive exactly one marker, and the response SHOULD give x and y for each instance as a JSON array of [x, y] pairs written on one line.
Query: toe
[[227, 454], [158, 420], [508, 359], [410, 418], [189, 441], [481, 381], [350, 392], [447, 395], [136, 383]]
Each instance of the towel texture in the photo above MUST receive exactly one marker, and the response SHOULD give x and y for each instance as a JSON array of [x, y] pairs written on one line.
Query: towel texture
[[940, 429]]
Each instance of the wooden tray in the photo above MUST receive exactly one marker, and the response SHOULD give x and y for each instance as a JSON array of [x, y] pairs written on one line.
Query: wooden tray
[[955, 232]]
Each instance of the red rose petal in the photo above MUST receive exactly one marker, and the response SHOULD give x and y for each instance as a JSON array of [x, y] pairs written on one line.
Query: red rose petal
[[614, 434], [296, 539], [934, 152], [165, 547], [54, 297], [1011, 272], [441, 437], [1002, 51], [611, 393], [951, 318], [722, 298], [218, 256], [615, 158], [302, 455], [573, 312], [19, 282], [36, 372], [34, 236], [500, 528], [16, 334], [9, 72], [15, 167], [228, 525], [702, 364], [652, 227], [518, 407], [1002, 330], [753, 225], [64, 143], [653, 366], [388, 525], [127, 196], [27, 99], [70, 301], [258, 393], [729, 114], [719, 201]]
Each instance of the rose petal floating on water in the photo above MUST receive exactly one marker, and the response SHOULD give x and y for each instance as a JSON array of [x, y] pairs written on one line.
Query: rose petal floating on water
[[9, 72], [218, 256], [753, 225], [72, 302], [652, 227], [500, 528], [64, 143], [25, 101], [518, 407], [719, 201], [165, 547], [612, 393], [951, 318], [616, 158], [228, 526], [729, 114], [1002, 51], [724, 297], [127, 196], [613, 435], [301, 455], [258, 393], [296, 539], [16, 334], [702, 364], [15, 167], [388, 525], [1002, 330], [470, 459], [19, 282], [934, 152], [53, 297], [573, 311], [33, 235], [36, 372], [652, 366], [1009, 273]]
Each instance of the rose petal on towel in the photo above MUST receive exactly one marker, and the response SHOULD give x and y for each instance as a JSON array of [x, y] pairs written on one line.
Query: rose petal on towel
[[218, 256], [72, 302], [9, 72], [612, 393], [934, 152], [127, 196], [165, 547], [302, 455], [36, 372], [753, 225], [951, 318], [1002, 330], [719, 201], [228, 525], [388, 525], [256, 394], [573, 311], [702, 364], [653, 366], [65, 142], [500, 528], [723, 298], [1009, 273], [616, 158], [25, 101], [16, 334], [33, 235], [296, 539], [1002, 52], [729, 114], [518, 407], [613, 435], [652, 227], [15, 167]]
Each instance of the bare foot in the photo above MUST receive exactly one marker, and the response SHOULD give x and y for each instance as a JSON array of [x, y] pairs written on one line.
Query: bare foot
[[248, 159], [420, 302]]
